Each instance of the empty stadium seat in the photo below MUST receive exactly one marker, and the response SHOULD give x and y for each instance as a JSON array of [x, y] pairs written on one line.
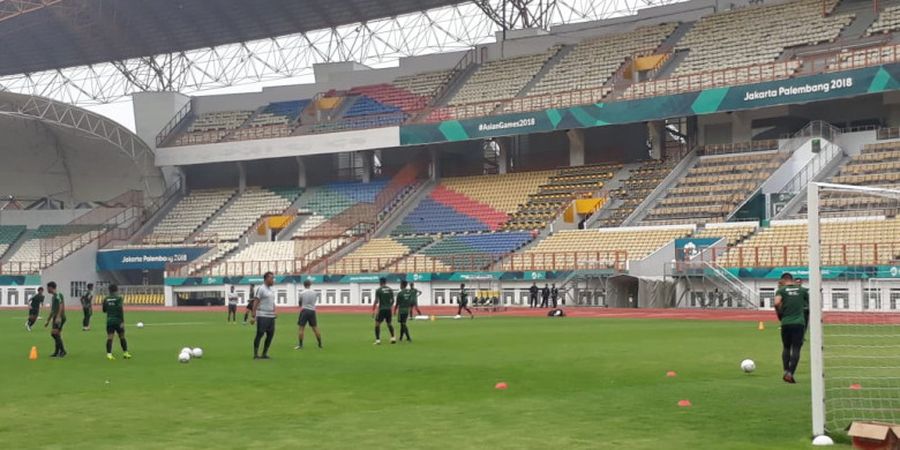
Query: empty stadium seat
[[188, 215], [501, 79]]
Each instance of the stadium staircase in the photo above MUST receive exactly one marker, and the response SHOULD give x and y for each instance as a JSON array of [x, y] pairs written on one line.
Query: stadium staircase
[[830, 155], [456, 82], [410, 202], [797, 203], [669, 182], [617, 182], [558, 56], [199, 233], [864, 16]]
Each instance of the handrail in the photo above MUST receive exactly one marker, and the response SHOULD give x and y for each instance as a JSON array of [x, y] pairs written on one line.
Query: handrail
[[854, 254], [176, 121], [796, 184], [122, 233]]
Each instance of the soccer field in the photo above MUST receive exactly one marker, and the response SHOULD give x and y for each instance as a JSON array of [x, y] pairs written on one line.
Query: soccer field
[[573, 383]]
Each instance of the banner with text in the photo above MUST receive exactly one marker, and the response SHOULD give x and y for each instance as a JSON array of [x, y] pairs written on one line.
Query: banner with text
[[146, 258], [807, 89]]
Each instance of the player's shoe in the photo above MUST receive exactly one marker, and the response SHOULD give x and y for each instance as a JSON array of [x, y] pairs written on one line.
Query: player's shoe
[[27, 327], [789, 378], [377, 341], [126, 355], [62, 354], [393, 340], [299, 347], [265, 357], [110, 357]]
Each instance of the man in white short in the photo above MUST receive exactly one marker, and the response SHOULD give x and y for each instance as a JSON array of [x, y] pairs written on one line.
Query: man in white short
[[308, 300], [263, 314]]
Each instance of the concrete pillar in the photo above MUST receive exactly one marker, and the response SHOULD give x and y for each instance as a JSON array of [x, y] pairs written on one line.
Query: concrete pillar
[[503, 156], [182, 177], [366, 156], [434, 167], [301, 172], [576, 147], [741, 127], [656, 131], [242, 177]]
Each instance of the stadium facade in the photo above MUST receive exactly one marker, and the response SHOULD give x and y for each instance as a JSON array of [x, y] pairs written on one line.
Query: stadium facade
[[655, 160]]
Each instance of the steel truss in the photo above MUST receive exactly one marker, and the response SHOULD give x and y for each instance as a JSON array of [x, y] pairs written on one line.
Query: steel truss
[[377, 43]]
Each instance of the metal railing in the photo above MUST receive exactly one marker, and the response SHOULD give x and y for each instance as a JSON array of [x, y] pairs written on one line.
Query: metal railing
[[799, 181], [855, 254], [122, 233], [740, 147], [183, 114]]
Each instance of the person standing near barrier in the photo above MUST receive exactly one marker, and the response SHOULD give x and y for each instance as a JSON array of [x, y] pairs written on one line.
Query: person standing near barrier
[[545, 296], [87, 300], [533, 296]]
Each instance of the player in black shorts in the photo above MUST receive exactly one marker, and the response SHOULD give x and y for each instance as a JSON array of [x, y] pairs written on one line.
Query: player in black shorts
[[404, 305], [232, 302], [384, 301], [308, 300], [34, 308], [464, 302], [249, 303], [58, 318]]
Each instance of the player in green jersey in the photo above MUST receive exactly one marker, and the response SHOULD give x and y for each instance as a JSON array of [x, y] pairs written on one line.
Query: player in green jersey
[[384, 300], [58, 318], [34, 308], [404, 305], [113, 306], [791, 301], [415, 294]]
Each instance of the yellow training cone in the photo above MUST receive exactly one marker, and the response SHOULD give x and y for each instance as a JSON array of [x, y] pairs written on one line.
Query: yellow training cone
[[433, 318], [33, 355], [762, 326]]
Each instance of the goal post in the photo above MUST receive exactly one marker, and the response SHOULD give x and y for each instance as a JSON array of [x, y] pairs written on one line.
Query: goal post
[[854, 310]]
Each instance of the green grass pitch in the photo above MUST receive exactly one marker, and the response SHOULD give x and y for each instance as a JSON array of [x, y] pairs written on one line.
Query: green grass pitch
[[573, 383]]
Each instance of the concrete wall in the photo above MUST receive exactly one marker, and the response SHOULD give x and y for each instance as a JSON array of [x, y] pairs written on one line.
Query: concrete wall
[[79, 266], [36, 218]]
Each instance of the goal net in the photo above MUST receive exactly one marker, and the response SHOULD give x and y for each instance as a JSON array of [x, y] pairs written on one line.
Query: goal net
[[854, 282]]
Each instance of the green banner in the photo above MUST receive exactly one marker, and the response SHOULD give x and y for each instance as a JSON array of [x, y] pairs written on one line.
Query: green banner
[[370, 278], [828, 273], [807, 89], [20, 280]]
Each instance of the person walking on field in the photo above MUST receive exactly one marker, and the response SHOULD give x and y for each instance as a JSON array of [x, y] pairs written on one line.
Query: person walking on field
[[384, 301], [308, 300], [790, 302], [263, 314], [57, 318], [34, 308]]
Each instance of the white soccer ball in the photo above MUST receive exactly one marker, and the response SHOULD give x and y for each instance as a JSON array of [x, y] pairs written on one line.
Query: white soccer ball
[[457, 316], [186, 350], [140, 324], [197, 352], [748, 365], [184, 357]]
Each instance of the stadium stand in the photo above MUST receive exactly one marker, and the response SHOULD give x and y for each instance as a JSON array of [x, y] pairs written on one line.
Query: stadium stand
[[470, 204], [476, 251], [377, 254], [845, 241], [275, 120], [501, 79], [424, 84], [888, 20], [247, 208], [277, 256], [188, 215], [877, 165], [46, 238], [604, 247], [9, 234], [732, 232], [558, 192], [757, 35], [397, 98], [635, 189], [593, 62], [211, 127], [714, 187]]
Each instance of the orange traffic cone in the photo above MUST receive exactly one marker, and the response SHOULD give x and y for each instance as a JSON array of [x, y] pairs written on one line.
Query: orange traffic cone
[[33, 354], [762, 326]]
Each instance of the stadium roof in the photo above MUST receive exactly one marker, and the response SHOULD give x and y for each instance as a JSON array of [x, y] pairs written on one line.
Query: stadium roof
[[40, 35], [50, 149]]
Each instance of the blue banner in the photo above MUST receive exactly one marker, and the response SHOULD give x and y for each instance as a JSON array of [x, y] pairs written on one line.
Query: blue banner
[[146, 258]]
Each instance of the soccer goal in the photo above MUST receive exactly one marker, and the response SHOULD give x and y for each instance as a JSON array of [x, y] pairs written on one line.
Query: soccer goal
[[854, 286]]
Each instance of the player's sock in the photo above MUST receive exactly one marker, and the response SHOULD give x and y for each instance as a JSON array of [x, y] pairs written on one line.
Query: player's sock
[[266, 345], [319, 340], [109, 346], [391, 329], [124, 344], [55, 347], [377, 333]]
